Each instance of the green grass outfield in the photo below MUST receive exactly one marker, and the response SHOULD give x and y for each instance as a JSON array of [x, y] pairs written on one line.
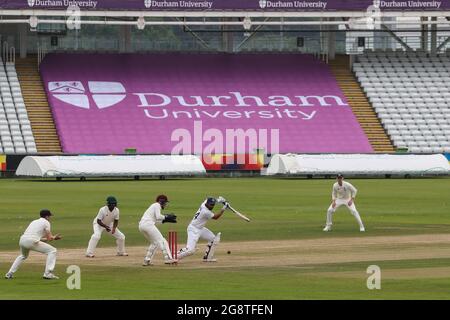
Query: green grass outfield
[[281, 209]]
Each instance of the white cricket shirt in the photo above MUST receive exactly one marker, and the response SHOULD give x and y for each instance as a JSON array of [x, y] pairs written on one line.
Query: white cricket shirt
[[107, 217], [152, 215], [344, 192], [37, 229], [202, 216]]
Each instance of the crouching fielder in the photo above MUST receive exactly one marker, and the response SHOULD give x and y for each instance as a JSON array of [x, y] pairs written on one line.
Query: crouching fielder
[[197, 230], [34, 238], [343, 194], [107, 219], [147, 226]]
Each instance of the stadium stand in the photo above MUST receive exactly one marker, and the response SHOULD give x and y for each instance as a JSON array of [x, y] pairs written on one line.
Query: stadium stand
[[411, 95], [361, 107], [15, 130], [98, 104], [39, 113]]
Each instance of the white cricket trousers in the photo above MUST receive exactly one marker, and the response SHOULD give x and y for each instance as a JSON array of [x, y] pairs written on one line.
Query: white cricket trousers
[[96, 236], [352, 208], [29, 243], [157, 241], [195, 234]]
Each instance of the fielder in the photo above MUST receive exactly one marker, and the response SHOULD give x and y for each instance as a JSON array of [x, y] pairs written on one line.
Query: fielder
[[147, 226], [107, 219], [34, 238], [197, 230], [343, 194]]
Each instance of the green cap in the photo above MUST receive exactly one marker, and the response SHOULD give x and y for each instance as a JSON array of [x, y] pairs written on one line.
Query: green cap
[[111, 200]]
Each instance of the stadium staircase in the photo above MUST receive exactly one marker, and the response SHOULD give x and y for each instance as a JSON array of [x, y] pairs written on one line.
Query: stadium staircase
[[360, 105], [42, 123]]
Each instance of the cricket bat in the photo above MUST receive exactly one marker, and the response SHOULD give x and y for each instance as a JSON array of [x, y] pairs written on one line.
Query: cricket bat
[[239, 214]]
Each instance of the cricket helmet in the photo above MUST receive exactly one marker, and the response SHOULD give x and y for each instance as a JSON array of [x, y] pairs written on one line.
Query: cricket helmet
[[162, 199], [111, 200], [45, 213], [211, 201]]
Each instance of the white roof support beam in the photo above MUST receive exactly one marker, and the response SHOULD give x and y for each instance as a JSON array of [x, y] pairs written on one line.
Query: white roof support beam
[[224, 14], [209, 23]]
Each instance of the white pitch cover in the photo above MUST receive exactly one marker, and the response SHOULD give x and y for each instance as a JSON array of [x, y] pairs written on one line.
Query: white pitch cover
[[106, 166], [292, 164]]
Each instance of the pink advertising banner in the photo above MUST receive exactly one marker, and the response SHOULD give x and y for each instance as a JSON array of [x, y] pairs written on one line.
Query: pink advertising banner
[[207, 5], [199, 103]]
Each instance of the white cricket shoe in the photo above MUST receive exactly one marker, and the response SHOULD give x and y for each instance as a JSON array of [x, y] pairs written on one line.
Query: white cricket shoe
[[209, 260], [50, 276], [182, 253], [9, 275], [327, 228], [362, 229], [89, 255], [147, 263], [123, 254]]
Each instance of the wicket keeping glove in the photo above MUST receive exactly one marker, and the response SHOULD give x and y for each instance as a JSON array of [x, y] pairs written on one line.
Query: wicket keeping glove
[[170, 217]]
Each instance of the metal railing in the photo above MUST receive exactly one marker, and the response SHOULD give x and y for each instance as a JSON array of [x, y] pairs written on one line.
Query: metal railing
[[41, 53], [8, 53], [315, 42], [385, 42]]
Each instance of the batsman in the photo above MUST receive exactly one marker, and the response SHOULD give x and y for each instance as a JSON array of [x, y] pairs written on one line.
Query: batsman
[[197, 230]]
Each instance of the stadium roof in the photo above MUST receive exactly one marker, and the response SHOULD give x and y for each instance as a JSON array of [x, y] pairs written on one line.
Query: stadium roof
[[119, 12]]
